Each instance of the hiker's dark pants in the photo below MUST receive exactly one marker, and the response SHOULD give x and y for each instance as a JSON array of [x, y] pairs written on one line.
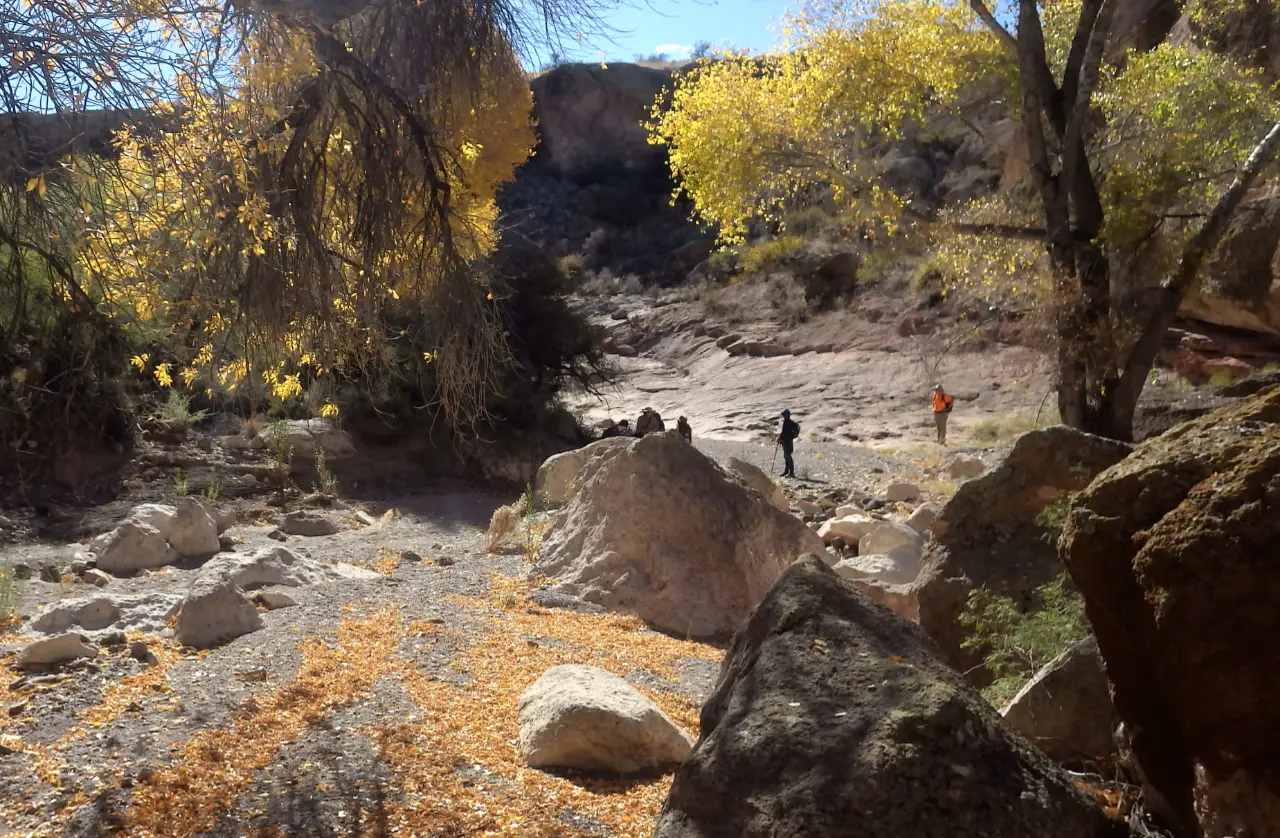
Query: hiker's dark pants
[[788, 464]]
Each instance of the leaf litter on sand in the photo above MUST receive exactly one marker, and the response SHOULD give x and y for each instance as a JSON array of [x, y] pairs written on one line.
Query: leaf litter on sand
[[476, 725], [118, 697], [217, 766]]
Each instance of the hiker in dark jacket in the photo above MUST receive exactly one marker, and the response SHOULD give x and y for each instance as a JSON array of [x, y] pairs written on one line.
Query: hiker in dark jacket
[[612, 431], [649, 422], [787, 435], [682, 425]]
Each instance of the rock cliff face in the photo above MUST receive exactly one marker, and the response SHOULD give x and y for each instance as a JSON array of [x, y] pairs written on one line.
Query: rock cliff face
[[591, 114]]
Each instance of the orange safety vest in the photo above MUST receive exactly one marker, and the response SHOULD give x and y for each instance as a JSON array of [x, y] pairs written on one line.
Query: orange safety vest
[[940, 402]]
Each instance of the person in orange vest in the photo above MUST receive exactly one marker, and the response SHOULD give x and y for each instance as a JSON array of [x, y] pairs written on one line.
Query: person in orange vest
[[941, 407]]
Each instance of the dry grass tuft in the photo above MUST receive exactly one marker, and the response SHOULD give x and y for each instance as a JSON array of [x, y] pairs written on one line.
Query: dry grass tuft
[[504, 526]]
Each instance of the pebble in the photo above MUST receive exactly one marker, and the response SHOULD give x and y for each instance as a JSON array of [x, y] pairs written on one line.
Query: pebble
[[410, 556], [446, 561], [277, 535]]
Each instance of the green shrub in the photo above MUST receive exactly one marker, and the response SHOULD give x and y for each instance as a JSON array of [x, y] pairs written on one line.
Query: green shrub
[[10, 594], [1221, 379], [1054, 516], [176, 413], [1015, 644], [723, 263], [771, 254], [806, 222]]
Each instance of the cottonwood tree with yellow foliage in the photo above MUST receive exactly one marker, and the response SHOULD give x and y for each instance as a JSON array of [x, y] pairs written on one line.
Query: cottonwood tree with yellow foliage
[[1137, 159], [289, 177]]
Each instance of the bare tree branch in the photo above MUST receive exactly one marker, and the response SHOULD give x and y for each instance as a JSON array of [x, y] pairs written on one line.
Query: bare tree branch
[[1172, 291], [1005, 36]]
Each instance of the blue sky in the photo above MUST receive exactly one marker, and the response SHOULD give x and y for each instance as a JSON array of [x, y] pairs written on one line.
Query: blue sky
[[674, 26]]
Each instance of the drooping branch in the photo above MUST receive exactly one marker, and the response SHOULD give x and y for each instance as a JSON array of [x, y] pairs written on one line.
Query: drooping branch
[[1171, 293]]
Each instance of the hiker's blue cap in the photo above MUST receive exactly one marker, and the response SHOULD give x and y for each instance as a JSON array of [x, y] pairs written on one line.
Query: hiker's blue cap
[[786, 412]]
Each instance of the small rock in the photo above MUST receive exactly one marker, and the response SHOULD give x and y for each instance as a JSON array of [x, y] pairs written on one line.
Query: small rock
[[581, 717], [922, 519], [306, 522], [100, 578], [873, 503], [808, 508], [277, 535], [410, 556], [113, 639], [134, 546], [139, 651], [22, 572], [966, 465], [78, 567], [902, 492], [271, 600], [226, 544], [17, 708], [50, 573], [446, 561], [54, 650]]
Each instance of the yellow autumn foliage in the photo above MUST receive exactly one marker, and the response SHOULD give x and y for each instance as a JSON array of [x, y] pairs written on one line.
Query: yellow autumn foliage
[[255, 224], [751, 138]]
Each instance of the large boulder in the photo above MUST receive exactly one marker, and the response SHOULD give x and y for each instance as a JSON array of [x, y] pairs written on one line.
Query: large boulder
[[834, 717], [1066, 708], [52, 651], [304, 436], [214, 612], [193, 531], [585, 718], [1174, 549], [279, 566], [134, 546], [755, 477], [557, 479], [849, 528], [586, 112], [146, 613], [659, 530], [891, 537], [891, 569], [991, 533]]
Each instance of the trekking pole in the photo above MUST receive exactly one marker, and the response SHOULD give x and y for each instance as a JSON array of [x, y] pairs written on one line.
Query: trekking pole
[[774, 463]]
